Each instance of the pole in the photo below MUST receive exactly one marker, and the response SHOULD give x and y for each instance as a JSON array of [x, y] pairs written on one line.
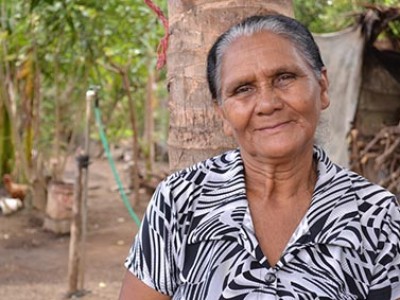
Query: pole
[[91, 95], [76, 234], [77, 255]]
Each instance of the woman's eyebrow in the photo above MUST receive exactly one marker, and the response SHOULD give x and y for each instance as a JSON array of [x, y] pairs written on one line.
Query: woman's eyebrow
[[286, 68], [238, 82]]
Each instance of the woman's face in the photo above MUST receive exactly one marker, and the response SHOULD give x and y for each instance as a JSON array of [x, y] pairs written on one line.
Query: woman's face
[[271, 98]]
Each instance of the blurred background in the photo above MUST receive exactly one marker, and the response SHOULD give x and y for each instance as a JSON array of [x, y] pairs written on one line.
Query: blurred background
[[53, 51]]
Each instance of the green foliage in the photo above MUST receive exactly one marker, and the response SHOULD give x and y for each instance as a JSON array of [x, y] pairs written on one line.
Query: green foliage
[[322, 16], [6, 145], [75, 43]]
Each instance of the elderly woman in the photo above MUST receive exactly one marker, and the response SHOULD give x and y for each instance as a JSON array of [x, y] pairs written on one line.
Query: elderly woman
[[275, 218]]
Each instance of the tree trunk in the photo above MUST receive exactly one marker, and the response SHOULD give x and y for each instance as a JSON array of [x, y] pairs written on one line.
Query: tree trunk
[[195, 130], [9, 100], [57, 172], [6, 145], [135, 138], [149, 126]]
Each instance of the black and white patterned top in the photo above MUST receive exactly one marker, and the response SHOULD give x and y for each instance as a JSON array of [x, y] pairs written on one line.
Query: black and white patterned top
[[197, 240]]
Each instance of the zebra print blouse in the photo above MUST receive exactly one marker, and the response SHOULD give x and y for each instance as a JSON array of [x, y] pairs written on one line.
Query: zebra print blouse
[[197, 241]]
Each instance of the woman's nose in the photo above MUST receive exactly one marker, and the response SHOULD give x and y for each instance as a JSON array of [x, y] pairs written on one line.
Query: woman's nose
[[268, 101]]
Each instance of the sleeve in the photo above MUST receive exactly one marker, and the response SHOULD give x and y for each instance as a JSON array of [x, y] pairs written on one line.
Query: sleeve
[[151, 256], [386, 277]]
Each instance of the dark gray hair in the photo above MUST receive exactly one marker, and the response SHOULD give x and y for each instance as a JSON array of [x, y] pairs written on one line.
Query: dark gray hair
[[280, 25]]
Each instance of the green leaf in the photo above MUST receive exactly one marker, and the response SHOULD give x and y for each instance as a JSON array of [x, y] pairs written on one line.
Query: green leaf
[[34, 3]]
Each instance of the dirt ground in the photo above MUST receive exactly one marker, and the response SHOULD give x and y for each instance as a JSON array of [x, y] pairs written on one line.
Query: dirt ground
[[34, 262]]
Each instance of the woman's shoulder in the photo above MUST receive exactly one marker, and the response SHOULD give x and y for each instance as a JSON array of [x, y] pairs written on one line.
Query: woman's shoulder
[[374, 202], [339, 180], [369, 191], [215, 168], [185, 186], [364, 208]]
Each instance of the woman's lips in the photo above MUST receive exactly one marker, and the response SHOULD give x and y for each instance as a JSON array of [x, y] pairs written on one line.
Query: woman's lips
[[275, 126]]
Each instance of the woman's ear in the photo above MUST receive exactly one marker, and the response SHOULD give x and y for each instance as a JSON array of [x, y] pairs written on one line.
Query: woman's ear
[[221, 114], [324, 84]]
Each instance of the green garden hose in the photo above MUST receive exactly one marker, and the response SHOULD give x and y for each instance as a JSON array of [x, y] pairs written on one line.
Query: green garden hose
[[113, 168]]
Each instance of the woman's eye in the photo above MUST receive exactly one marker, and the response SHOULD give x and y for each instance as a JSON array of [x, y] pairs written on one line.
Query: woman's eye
[[242, 89], [284, 79]]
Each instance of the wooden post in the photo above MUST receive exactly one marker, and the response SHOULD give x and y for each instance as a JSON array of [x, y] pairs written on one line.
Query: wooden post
[[91, 94], [76, 234], [77, 249]]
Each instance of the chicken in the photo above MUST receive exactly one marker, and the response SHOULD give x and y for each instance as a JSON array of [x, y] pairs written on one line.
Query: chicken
[[9, 205], [15, 190]]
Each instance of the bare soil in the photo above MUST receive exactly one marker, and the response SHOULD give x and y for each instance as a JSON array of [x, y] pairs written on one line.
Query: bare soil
[[34, 262]]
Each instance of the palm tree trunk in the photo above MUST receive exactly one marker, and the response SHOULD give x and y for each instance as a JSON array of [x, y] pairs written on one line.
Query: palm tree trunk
[[195, 130]]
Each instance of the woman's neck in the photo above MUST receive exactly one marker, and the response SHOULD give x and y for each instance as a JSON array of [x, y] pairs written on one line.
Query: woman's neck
[[280, 181]]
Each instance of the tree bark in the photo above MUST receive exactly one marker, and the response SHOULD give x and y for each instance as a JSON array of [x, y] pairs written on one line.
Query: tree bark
[[195, 130]]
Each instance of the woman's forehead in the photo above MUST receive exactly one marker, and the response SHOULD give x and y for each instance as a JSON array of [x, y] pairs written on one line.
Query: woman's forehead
[[266, 48], [260, 48], [267, 38]]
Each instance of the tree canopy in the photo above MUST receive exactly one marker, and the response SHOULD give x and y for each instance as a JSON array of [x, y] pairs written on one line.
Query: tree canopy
[[53, 50], [322, 16]]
